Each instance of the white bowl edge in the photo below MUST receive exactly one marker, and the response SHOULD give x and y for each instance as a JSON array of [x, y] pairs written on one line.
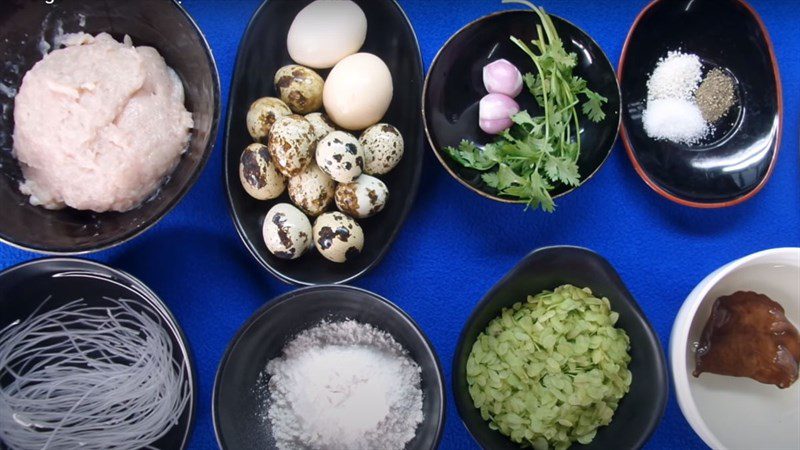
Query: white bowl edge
[[680, 334]]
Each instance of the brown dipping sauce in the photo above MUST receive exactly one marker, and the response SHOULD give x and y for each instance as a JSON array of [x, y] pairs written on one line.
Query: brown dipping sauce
[[748, 335]]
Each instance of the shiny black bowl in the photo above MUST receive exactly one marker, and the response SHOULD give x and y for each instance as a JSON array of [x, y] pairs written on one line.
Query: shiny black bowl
[[735, 162], [454, 88], [261, 53], [639, 411], [237, 407], [162, 24], [49, 283]]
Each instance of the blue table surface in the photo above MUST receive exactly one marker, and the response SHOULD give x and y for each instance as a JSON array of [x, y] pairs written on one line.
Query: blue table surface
[[437, 271]]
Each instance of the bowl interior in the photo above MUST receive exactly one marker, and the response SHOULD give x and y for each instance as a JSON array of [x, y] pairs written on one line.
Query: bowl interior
[[735, 160], [28, 26], [640, 411], [773, 414], [51, 283], [262, 52], [238, 401], [454, 88]]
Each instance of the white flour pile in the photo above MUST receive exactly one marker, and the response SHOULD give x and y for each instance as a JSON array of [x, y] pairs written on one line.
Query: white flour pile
[[344, 386], [672, 113]]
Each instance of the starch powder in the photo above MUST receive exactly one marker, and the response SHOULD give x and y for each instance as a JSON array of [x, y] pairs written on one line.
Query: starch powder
[[343, 385]]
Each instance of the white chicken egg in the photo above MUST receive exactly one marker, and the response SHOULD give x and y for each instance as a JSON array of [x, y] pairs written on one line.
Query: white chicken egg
[[287, 231], [340, 156], [383, 148], [364, 197], [312, 190], [258, 174], [326, 31], [338, 237], [358, 91]]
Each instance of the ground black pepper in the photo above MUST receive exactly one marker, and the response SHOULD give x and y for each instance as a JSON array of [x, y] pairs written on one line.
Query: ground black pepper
[[715, 96]]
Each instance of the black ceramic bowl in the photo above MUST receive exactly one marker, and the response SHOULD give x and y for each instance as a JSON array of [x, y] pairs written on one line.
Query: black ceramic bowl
[[454, 88], [735, 162], [639, 411], [162, 24], [261, 53], [236, 407], [52, 282]]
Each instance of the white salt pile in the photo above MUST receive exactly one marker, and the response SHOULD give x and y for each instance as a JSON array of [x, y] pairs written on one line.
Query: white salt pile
[[672, 113], [675, 120]]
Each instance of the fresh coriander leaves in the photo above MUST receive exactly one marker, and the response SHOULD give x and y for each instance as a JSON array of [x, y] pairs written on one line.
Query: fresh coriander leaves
[[536, 153]]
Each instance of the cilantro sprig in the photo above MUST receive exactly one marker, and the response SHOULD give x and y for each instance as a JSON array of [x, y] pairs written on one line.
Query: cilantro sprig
[[537, 153]]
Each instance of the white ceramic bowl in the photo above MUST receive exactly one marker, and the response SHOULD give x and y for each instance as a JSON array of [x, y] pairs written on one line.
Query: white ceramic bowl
[[729, 412]]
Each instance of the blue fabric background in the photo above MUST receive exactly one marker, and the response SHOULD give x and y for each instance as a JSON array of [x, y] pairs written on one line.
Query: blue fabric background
[[455, 244]]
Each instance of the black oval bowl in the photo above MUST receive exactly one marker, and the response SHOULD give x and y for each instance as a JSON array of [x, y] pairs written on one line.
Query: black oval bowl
[[52, 282], [164, 25], [237, 409], [261, 53], [639, 411], [454, 87], [734, 163]]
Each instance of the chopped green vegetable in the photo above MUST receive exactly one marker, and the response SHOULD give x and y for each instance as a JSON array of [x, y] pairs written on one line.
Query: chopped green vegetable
[[550, 371], [536, 153]]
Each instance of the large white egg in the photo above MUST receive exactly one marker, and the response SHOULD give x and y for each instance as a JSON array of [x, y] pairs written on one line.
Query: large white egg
[[358, 91], [326, 31]]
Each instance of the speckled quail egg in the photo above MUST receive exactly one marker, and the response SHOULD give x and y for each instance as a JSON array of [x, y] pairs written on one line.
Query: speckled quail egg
[[340, 156], [338, 237], [364, 197], [321, 123], [383, 148], [291, 144], [300, 88], [312, 190], [258, 174], [262, 114], [286, 231]]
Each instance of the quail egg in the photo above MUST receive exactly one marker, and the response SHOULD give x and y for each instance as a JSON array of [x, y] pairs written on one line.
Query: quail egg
[[262, 114], [258, 174], [340, 156], [338, 237], [364, 197], [300, 88], [312, 190], [291, 144], [287, 231], [321, 123], [383, 148]]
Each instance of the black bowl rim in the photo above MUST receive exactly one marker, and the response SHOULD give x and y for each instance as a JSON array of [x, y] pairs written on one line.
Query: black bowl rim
[[663, 394], [174, 325], [437, 152], [416, 175], [778, 91], [212, 140], [298, 294]]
